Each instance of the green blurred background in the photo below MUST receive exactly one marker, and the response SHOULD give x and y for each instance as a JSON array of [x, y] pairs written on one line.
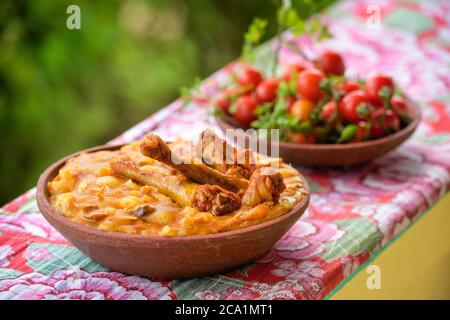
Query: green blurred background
[[63, 90]]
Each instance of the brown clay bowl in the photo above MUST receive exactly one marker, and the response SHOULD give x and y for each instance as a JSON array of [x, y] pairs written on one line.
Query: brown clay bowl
[[167, 257], [327, 155]]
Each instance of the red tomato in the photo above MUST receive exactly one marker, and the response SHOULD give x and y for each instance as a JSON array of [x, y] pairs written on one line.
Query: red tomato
[[387, 119], [266, 91], [376, 131], [308, 84], [293, 68], [399, 104], [331, 62], [249, 77], [377, 128], [295, 137], [349, 86], [392, 120], [328, 110], [301, 109], [377, 115], [361, 133], [223, 99], [354, 105], [245, 108], [374, 86], [289, 100], [378, 106], [312, 137]]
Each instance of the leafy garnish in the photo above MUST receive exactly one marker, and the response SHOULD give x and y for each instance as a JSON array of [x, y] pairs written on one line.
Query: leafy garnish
[[253, 37], [276, 116], [385, 94], [288, 18], [348, 133], [219, 113], [188, 93]]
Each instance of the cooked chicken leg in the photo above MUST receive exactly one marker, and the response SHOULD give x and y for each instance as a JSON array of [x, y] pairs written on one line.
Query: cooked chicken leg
[[214, 151], [266, 184], [209, 198], [216, 200], [154, 147], [220, 155]]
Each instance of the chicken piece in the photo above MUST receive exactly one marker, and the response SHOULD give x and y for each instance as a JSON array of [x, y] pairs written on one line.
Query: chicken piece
[[154, 147], [207, 198], [214, 151], [220, 155], [266, 184], [127, 168], [216, 200], [244, 164]]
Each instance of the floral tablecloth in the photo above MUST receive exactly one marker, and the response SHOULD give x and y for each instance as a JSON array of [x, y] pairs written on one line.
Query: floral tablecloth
[[353, 213]]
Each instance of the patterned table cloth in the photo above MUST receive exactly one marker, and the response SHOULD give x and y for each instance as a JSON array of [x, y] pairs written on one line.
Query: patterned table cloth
[[353, 213]]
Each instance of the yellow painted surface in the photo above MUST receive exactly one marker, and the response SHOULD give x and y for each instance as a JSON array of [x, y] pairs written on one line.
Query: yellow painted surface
[[415, 266]]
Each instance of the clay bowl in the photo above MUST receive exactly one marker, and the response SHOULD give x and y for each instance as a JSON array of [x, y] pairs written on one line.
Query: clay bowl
[[167, 257], [328, 155]]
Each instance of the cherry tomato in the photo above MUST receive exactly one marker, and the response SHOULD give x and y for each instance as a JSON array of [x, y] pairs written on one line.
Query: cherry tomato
[[392, 120], [266, 91], [387, 119], [245, 108], [361, 133], [399, 104], [331, 62], [377, 115], [349, 86], [378, 106], [293, 68], [328, 110], [312, 138], [377, 128], [375, 84], [223, 99], [295, 137], [354, 105], [376, 131], [289, 100], [301, 109], [308, 84], [249, 77]]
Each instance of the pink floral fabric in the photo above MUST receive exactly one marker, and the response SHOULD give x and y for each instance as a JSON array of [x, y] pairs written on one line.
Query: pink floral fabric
[[81, 285], [354, 212]]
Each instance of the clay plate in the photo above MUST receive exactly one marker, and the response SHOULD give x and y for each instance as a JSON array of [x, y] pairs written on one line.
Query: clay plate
[[324, 155], [167, 257]]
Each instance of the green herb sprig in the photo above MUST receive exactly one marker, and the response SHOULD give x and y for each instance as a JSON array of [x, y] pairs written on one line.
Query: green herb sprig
[[188, 93], [253, 37]]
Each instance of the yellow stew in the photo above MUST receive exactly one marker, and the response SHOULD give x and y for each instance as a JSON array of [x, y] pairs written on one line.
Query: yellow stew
[[86, 191]]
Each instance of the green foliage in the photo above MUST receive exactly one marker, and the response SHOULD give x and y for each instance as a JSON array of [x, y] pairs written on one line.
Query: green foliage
[[287, 19], [277, 116], [348, 133], [253, 37], [63, 90], [188, 93]]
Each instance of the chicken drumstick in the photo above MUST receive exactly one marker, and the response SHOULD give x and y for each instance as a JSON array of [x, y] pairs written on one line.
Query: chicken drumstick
[[221, 156], [266, 184], [208, 198], [154, 147]]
